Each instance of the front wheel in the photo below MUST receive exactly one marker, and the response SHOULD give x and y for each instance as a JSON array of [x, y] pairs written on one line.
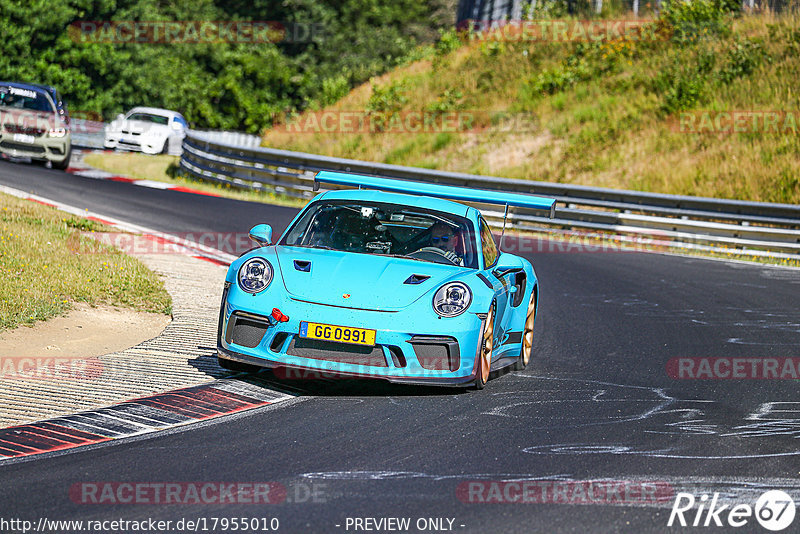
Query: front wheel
[[486, 349], [62, 166], [527, 336]]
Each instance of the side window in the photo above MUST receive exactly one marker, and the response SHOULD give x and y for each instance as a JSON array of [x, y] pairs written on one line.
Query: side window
[[489, 248]]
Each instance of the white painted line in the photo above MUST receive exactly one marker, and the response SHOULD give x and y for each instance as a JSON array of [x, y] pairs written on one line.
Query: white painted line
[[153, 184]]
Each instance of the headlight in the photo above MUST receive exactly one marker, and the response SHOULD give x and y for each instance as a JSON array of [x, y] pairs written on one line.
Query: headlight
[[255, 275], [57, 132], [452, 299]]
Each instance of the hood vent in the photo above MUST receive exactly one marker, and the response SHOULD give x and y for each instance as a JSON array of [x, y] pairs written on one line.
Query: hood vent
[[416, 279], [302, 265]]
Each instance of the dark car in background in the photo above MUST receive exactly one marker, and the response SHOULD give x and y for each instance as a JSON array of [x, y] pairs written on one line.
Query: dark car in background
[[34, 123]]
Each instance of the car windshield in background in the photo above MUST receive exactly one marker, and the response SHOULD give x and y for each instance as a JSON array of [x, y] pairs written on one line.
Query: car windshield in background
[[17, 98], [387, 229], [149, 117]]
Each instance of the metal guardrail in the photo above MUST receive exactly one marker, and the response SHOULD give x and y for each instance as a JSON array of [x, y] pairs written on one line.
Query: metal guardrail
[[87, 134], [90, 134], [694, 222]]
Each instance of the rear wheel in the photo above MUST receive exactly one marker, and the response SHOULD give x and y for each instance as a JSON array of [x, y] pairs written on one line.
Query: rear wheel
[[486, 349], [527, 335]]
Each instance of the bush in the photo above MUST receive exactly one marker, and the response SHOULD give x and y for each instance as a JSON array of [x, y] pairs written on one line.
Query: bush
[[447, 101], [742, 59], [448, 42], [681, 85], [689, 21], [389, 98], [384, 103]]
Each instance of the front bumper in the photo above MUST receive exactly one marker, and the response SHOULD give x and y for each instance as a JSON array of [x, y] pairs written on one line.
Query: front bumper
[[43, 148], [413, 346], [134, 143]]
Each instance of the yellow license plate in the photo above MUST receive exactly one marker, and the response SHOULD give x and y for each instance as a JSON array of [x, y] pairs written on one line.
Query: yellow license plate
[[338, 334]]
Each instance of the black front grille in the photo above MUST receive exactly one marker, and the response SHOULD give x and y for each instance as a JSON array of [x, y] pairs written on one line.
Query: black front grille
[[245, 331], [337, 352], [28, 130], [437, 353], [23, 147], [277, 341]]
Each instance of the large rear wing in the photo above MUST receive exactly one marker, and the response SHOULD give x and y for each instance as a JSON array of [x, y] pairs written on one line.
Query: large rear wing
[[436, 190]]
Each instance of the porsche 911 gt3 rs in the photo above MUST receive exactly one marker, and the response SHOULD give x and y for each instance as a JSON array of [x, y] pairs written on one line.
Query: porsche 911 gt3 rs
[[391, 281]]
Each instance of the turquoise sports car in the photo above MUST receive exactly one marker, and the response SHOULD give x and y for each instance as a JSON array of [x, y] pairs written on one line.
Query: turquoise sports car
[[390, 281]]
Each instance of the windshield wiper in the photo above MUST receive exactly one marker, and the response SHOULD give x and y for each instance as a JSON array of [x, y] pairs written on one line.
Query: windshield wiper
[[323, 247], [406, 256]]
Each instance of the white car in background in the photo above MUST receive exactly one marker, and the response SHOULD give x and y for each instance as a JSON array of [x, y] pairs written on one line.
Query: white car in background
[[148, 130]]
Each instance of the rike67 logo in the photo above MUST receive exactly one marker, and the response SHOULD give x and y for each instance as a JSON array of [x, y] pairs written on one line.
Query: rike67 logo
[[774, 510]]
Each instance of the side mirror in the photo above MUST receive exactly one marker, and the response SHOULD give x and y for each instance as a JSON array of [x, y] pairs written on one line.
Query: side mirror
[[507, 264], [120, 117], [261, 234]]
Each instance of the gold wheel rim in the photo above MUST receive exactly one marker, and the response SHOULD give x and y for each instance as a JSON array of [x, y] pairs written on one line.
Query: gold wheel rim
[[488, 346], [527, 335]]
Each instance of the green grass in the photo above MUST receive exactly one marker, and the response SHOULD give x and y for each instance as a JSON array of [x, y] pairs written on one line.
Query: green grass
[[604, 113], [162, 169], [48, 262]]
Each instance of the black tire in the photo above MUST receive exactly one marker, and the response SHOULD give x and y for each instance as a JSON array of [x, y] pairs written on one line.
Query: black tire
[[62, 166]]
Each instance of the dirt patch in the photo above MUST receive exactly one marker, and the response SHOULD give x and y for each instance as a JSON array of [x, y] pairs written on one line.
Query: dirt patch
[[515, 151], [84, 332]]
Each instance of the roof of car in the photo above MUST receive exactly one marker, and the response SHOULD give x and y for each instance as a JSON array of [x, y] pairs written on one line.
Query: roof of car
[[437, 204], [29, 86], [155, 111]]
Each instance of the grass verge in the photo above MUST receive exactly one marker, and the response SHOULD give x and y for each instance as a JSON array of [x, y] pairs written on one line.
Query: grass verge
[[590, 113], [43, 274], [162, 169]]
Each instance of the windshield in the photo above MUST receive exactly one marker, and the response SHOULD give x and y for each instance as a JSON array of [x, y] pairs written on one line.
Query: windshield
[[388, 229], [14, 97], [149, 117]]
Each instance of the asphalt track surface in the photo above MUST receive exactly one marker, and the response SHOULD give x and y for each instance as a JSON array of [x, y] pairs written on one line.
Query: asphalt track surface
[[595, 403]]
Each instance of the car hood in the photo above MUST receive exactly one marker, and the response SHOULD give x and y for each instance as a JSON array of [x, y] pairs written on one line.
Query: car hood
[[363, 281], [139, 126], [25, 119]]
